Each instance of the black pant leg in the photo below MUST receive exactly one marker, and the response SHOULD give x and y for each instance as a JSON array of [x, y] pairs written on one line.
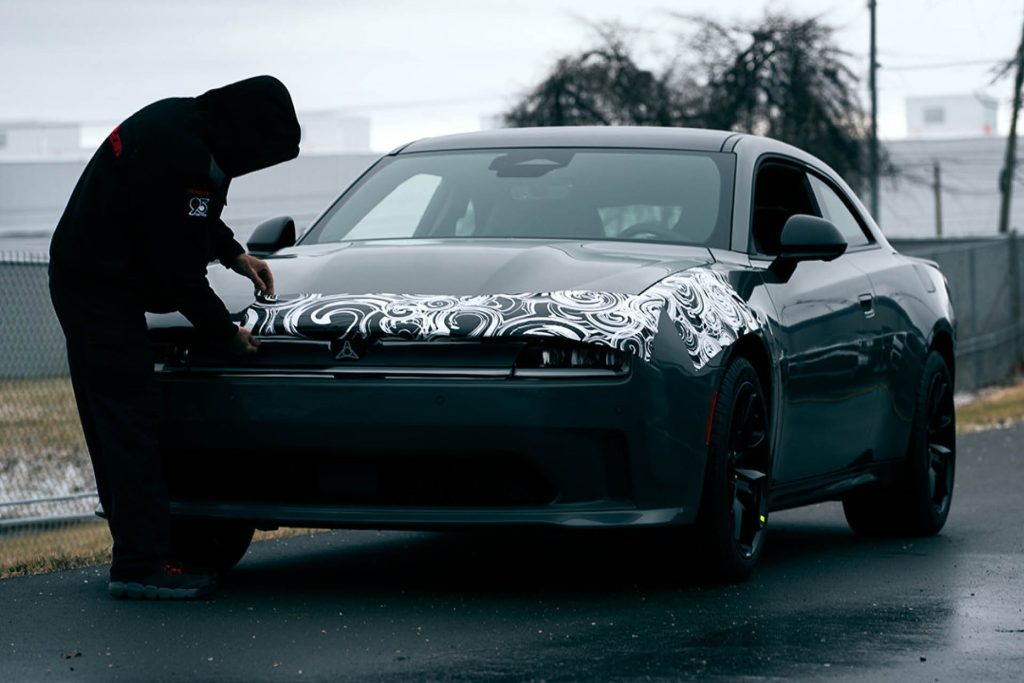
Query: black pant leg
[[119, 404], [92, 440]]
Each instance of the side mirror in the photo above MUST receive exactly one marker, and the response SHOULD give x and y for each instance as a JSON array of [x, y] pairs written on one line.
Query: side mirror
[[809, 238], [269, 236]]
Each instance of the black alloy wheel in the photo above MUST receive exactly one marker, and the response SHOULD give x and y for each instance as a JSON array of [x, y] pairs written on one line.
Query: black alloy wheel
[[745, 469], [734, 504], [941, 444], [917, 501]]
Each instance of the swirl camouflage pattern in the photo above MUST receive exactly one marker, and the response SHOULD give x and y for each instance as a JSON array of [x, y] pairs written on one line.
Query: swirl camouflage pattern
[[706, 311]]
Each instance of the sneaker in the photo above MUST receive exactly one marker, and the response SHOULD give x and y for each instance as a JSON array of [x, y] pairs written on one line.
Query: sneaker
[[169, 582]]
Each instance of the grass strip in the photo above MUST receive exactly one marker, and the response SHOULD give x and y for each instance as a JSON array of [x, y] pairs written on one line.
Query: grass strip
[[38, 552], [76, 546], [992, 408]]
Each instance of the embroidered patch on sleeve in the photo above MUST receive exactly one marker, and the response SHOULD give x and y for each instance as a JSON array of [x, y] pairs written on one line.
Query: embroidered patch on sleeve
[[198, 206]]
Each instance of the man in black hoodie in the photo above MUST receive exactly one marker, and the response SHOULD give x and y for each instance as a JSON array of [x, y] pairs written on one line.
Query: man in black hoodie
[[137, 235]]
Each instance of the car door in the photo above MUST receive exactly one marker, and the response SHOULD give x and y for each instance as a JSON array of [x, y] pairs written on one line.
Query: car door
[[896, 347], [823, 323]]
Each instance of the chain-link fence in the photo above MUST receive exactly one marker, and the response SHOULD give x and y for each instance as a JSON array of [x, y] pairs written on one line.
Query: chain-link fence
[[987, 288], [47, 490]]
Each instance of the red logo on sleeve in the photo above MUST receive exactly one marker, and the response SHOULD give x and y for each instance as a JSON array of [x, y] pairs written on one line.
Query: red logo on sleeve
[[115, 142]]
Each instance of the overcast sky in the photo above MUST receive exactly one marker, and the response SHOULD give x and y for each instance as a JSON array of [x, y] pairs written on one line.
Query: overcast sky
[[427, 67]]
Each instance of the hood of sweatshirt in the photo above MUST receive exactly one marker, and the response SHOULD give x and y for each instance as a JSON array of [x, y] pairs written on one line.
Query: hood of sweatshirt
[[252, 124]]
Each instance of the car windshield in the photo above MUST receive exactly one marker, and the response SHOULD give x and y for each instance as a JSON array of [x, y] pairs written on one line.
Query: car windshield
[[545, 193]]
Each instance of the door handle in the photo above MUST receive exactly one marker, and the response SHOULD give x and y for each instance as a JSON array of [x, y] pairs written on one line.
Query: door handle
[[867, 305]]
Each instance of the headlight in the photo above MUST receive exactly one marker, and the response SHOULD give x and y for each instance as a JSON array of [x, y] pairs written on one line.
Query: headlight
[[573, 358]]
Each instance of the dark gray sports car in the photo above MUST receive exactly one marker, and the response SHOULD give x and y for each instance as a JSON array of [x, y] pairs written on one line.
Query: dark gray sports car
[[582, 327]]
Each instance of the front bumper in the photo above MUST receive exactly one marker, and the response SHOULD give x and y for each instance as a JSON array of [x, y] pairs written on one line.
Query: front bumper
[[435, 452]]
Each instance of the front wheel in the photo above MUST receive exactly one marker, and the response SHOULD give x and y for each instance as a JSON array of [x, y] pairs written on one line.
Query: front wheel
[[214, 545], [918, 501], [734, 503]]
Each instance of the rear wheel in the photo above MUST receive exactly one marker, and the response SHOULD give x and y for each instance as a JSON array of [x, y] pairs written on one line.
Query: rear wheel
[[213, 545], [917, 502], [734, 504]]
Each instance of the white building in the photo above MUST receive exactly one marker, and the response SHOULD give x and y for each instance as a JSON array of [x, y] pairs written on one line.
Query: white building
[[952, 154], [951, 116], [330, 132], [39, 140], [967, 174]]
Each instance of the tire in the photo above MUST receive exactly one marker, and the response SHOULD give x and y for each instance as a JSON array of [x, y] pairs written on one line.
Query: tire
[[213, 545], [733, 512], [917, 502]]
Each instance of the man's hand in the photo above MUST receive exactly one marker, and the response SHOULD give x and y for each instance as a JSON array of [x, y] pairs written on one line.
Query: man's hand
[[243, 342], [256, 270]]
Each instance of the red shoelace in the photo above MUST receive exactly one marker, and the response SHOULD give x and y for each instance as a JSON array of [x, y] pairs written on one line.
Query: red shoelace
[[172, 569]]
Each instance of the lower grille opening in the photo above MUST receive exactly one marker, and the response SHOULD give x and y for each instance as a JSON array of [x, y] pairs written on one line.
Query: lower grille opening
[[329, 478]]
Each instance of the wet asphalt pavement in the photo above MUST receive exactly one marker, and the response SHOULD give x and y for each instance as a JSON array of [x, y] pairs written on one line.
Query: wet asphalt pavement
[[824, 605]]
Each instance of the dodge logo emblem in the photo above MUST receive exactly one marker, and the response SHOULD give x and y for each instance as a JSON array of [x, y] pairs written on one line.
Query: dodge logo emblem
[[347, 352]]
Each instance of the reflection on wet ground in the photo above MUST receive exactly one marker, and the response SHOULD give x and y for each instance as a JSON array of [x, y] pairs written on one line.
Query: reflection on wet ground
[[588, 607], [627, 606]]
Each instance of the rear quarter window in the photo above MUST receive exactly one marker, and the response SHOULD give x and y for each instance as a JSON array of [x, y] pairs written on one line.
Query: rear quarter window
[[835, 209]]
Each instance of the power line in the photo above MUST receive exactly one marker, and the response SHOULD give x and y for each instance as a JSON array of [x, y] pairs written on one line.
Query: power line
[[943, 65]]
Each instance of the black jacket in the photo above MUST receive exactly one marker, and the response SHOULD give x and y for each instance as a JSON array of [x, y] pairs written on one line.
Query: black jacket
[[144, 221]]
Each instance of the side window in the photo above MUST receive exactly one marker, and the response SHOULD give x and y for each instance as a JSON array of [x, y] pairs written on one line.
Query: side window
[[835, 209], [398, 214]]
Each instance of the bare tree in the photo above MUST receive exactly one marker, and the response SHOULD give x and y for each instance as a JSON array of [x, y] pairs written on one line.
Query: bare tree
[[601, 86], [781, 76], [785, 78]]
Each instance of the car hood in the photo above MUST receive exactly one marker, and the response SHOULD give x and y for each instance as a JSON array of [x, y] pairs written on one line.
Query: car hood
[[465, 267], [602, 293]]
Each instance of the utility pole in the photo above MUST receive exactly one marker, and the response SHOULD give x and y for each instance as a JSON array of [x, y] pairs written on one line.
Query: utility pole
[[873, 141], [1006, 177], [937, 189]]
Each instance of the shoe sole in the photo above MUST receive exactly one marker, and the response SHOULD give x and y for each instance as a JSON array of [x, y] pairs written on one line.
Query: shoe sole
[[127, 590]]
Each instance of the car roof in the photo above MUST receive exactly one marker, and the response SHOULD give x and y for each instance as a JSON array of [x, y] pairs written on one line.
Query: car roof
[[639, 137]]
